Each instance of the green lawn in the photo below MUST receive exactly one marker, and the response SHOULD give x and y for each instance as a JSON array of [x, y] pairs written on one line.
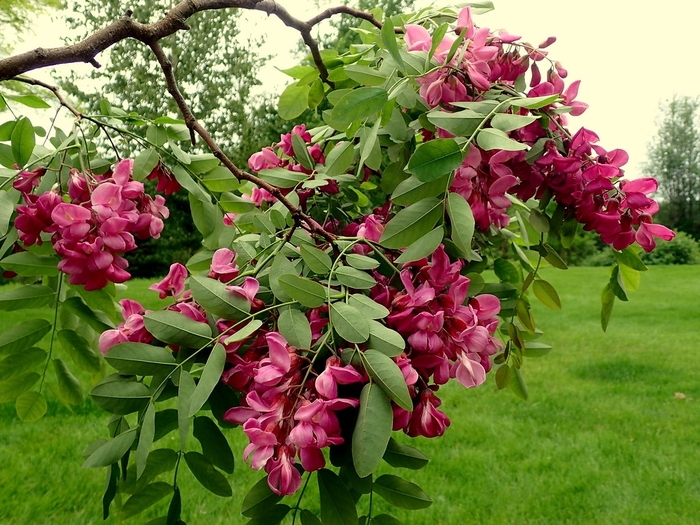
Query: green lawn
[[609, 435]]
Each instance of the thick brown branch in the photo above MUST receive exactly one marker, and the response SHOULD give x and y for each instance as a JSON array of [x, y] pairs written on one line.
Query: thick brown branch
[[126, 27], [194, 126]]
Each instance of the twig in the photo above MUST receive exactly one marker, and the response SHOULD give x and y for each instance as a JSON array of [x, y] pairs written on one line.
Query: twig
[[297, 214]]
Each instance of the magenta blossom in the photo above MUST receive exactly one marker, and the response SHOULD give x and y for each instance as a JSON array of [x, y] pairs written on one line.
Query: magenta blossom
[[173, 284]]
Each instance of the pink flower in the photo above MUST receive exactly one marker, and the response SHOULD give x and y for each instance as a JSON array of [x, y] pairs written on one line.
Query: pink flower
[[282, 477], [648, 231], [223, 265], [173, 284]]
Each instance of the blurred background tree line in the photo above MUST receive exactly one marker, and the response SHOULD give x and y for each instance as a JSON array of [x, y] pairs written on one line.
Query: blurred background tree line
[[243, 120]]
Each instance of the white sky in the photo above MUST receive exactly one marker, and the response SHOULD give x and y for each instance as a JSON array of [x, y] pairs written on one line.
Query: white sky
[[628, 57]]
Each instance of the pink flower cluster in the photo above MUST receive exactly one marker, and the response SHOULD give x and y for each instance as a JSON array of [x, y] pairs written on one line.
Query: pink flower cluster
[[282, 156], [447, 336], [92, 230], [223, 268], [285, 412], [582, 175]]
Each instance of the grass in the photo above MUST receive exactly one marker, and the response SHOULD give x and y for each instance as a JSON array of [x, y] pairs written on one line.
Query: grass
[[609, 435]]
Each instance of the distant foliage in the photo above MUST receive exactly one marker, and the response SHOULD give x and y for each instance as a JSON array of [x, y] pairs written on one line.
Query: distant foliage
[[683, 249]]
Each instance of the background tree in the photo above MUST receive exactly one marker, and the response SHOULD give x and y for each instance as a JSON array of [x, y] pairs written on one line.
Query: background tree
[[221, 96], [674, 159], [15, 14]]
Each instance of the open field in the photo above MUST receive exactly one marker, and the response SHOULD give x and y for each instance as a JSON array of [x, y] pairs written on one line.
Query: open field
[[609, 435]]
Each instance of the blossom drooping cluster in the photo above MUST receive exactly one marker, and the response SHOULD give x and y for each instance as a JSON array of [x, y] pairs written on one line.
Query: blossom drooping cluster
[[93, 225], [447, 336], [582, 176]]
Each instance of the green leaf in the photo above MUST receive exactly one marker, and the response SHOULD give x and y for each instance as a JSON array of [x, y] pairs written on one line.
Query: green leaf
[[412, 190], [271, 515], [295, 328], [23, 336], [401, 493], [23, 141], [119, 396], [245, 332], [389, 40], [404, 456], [316, 93], [234, 204], [79, 351], [369, 308], [258, 499], [349, 323], [546, 293], [337, 505], [16, 364], [319, 262], [183, 177], [517, 384], [159, 461], [358, 105], [281, 177], [411, 223], [210, 478], [539, 221], [112, 451], [490, 139], [607, 300], [353, 278], [507, 122], [147, 497], [361, 262], [617, 284], [184, 401], [372, 430], [68, 386], [12, 388], [387, 374], [629, 258], [31, 101], [370, 152], [28, 296], [175, 508], [96, 320], [146, 435], [280, 266], [423, 247], [301, 153], [339, 159], [506, 271], [7, 208], [308, 518], [435, 158], [534, 102], [156, 135], [365, 75], [99, 300], [216, 299], [211, 375], [140, 359], [461, 123], [177, 329], [305, 291], [220, 179], [461, 220], [30, 265], [215, 447], [144, 163], [179, 154], [31, 406], [385, 519], [293, 101], [389, 342], [536, 349]]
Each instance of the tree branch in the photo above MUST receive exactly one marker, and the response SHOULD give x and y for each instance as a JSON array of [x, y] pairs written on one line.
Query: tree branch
[[297, 214], [175, 20]]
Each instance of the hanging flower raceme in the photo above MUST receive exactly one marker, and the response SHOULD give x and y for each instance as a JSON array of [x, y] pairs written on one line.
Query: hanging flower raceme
[[99, 224]]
